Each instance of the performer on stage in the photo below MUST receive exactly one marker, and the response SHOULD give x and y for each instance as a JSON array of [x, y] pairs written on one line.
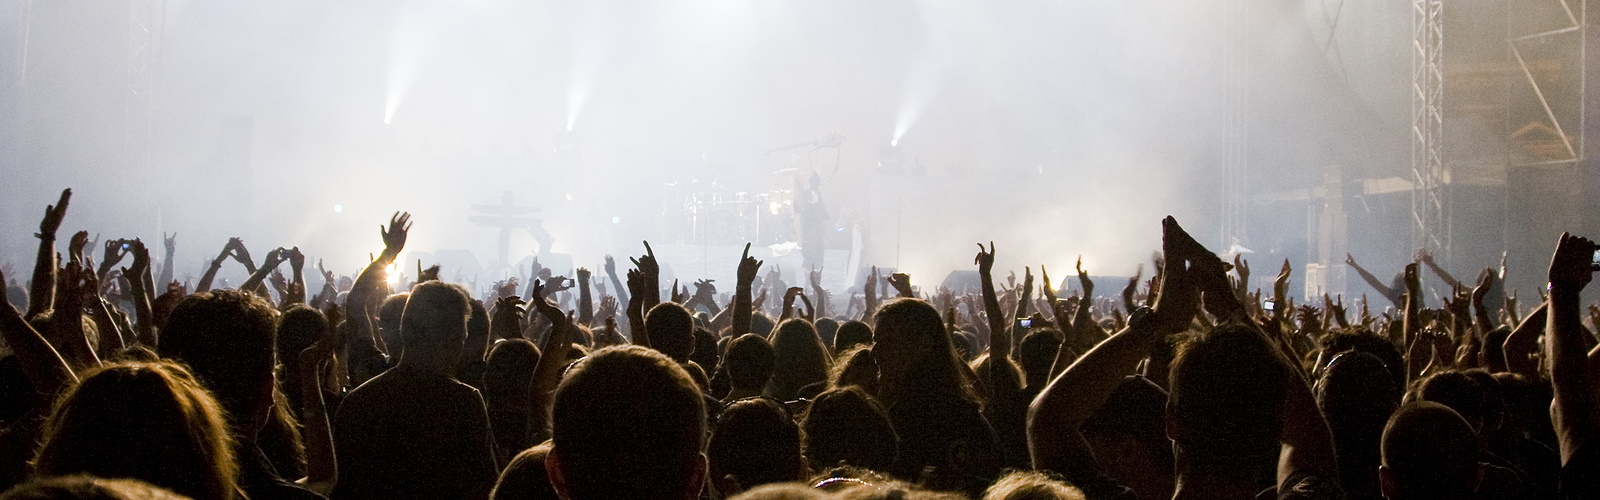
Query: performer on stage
[[813, 218]]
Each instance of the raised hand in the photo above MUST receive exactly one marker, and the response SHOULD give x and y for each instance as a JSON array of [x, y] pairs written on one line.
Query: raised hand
[[1572, 265], [169, 243], [607, 308], [985, 258], [505, 323], [1049, 290], [749, 267], [1083, 279], [789, 297], [541, 302], [647, 263], [53, 215], [1178, 300], [394, 237], [76, 245], [902, 284]]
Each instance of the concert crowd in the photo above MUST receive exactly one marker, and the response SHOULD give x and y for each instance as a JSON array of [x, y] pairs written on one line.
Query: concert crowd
[[119, 382]]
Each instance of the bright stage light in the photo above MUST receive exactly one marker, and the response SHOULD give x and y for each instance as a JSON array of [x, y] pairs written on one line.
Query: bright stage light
[[894, 143], [616, 220], [391, 274], [337, 208]]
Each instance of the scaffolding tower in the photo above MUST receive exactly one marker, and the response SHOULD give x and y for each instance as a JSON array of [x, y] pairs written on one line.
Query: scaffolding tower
[[1430, 200]]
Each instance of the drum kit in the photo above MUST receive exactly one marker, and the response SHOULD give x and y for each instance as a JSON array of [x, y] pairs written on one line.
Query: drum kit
[[711, 213]]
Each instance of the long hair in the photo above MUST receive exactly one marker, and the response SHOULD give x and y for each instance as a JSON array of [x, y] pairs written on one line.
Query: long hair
[[799, 359], [916, 357], [150, 421]]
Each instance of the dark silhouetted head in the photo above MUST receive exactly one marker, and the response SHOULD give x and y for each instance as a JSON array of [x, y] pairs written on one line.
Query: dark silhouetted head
[[846, 425], [749, 362], [671, 330], [799, 359], [755, 442], [1227, 390], [627, 422], [1429, 451]]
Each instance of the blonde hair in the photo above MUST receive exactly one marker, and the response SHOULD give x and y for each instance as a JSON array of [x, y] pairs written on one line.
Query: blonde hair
[[151, 421]]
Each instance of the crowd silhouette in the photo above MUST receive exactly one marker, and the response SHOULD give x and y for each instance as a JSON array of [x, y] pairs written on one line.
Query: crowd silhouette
[[121, 383]]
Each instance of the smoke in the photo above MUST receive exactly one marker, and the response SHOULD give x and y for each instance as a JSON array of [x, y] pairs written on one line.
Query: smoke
[[1053, 128]]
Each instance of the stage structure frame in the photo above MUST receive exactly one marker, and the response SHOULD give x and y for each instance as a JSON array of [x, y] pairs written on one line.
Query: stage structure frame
[[1430, 188]]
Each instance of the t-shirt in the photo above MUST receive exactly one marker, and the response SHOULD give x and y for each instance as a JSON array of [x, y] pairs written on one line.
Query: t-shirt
[[411, 433]]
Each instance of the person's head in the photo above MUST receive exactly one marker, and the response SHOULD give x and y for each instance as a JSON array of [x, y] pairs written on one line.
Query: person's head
[[1456, 390], [671, 330], [706, 354], [846, 425], [800, 359], [851, 333], [749, 362], [827, 328], [755, 442], [1227, 390], [1429, 451], [1031, 485], [148, 421], [86, 487], [1128, 436], [525, 478], [226, 338], [389, 313], [914, 353], [434, 326], [1357, 397], [1037, 353], [855, 366], [476, 348], [300, 327], [761, 324], [1359, 339], [1008, 377], [508, 372], [627, 422]]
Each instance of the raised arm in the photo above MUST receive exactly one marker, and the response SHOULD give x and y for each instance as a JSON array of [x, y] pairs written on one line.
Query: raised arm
[[321, 460], [143, 315], [274, 258], [585, 298], [552, 359], [1054, 418], [216, 264], [651, 272], [170, 244], [616, 283], [46, 370], [823, 305], [1427, 260], [1576, 409], [749, 267], [42, 291], [364, 294], [1394, 295], [998, 325]]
